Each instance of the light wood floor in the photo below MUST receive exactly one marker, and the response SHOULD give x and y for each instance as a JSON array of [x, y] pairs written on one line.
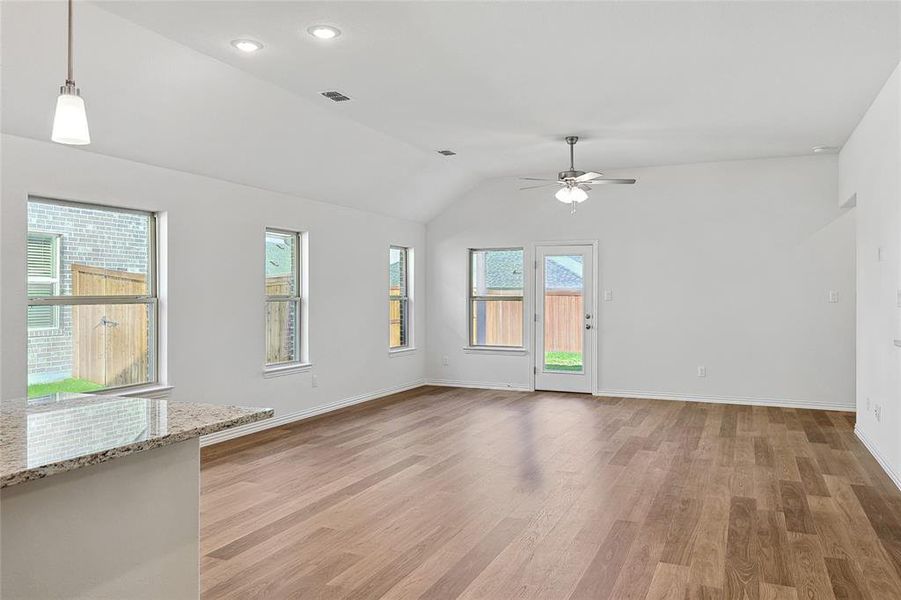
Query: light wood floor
[[450, 493]]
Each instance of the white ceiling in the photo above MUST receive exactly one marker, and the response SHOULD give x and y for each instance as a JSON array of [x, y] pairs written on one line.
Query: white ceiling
[[500, 83]]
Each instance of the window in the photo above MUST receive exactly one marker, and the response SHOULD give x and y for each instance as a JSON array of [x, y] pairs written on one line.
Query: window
[[285, 343], [495, 297], [399, 305], [43, 279], [92, 304]]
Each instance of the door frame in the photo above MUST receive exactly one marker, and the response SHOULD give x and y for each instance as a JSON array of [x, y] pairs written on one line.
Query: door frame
[[533, 299]]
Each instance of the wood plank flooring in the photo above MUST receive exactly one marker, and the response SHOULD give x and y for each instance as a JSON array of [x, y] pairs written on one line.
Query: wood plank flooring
[[446, 493]]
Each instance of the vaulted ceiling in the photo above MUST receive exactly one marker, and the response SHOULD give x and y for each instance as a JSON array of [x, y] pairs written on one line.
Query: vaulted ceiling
[[644, 83]]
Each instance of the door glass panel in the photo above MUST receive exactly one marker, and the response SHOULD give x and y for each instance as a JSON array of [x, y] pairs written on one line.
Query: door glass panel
[[564, 315]]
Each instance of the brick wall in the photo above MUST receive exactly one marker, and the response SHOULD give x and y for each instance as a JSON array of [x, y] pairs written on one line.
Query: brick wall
[[106, 239]]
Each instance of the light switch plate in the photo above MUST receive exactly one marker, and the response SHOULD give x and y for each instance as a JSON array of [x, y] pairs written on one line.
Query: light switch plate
[[832, 297], [608, 295]]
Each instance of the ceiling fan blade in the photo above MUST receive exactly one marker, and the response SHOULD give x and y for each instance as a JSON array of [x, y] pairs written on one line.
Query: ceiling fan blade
[[597, 181], [586, 177], [540, 185], [536, 179]]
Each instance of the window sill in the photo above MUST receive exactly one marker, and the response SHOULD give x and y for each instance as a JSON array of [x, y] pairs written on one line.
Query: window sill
[[494, 350], [400, 351], [289, 369], [155, 391]]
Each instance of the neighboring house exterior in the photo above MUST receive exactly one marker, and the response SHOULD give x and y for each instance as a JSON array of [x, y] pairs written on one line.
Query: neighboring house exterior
[[504, 272]]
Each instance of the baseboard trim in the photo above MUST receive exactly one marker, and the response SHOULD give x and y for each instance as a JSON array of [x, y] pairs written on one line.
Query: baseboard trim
[[871, 448], [781, 402], [229, 434], [483, 385]]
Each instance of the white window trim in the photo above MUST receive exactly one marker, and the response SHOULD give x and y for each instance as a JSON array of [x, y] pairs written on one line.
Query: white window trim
[[485, 349], [401, 351], [410, 346], [300, 299], [152, 298], [155, 391], [517, 350], [286, 369]]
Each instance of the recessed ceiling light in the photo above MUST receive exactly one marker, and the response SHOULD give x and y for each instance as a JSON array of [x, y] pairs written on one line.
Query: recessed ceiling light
[[825, 149], [446, 152], [247, 46], [324, 32]]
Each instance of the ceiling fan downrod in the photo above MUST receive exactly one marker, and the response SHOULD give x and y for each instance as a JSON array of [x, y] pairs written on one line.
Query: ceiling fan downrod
[[571, 140]]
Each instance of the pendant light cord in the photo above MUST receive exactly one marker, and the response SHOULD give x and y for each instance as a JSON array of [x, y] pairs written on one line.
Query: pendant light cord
[[70, 77]]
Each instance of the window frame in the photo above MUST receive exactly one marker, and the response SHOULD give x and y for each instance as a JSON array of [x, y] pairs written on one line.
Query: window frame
[[406, 299], [150, 299], [471, 298], [298, 299], [53, 280]]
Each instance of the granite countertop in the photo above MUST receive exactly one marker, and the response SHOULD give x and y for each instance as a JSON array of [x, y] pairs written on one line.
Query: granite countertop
[[62, 432]]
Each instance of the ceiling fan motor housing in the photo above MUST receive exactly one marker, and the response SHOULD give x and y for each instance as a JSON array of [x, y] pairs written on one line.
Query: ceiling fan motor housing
[[571, 174]]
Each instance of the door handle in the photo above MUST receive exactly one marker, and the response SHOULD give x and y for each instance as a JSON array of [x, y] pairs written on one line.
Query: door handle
[[587, 325]]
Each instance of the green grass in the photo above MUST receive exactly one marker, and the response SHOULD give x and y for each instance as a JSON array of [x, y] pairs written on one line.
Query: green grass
[[563, 361], [64, 385]]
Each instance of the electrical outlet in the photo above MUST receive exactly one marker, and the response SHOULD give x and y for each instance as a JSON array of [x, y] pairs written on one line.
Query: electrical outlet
[[868, 403], [832, 297], [608, 295], [702, 371], [444, 361], [315, 380], [878, 412]]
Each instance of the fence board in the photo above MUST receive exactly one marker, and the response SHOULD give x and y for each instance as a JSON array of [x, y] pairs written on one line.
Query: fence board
[[279, 339], [110, 342], [563, 322]]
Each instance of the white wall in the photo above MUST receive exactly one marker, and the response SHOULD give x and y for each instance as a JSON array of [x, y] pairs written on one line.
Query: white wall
[[214, 286], [726, 265], [869, 168]]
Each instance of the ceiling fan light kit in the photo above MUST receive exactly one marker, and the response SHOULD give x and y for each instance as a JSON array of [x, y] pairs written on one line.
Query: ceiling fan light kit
[[575, 184]]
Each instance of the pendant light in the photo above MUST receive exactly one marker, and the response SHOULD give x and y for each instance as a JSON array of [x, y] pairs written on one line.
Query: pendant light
[[70, 123]]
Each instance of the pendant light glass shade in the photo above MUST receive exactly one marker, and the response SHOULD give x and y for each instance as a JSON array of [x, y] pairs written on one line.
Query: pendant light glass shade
[[70, 123], [570, 195]]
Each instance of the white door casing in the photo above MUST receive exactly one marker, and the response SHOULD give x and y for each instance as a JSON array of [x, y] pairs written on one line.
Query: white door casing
[[565, 323]]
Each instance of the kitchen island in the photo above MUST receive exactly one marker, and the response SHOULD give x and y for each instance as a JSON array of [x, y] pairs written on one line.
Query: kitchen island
[[99, 495]]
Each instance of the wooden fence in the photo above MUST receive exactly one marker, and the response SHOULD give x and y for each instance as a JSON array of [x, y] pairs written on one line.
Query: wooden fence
[[503, 323], [110, 341], [279, 347], [563, 322]]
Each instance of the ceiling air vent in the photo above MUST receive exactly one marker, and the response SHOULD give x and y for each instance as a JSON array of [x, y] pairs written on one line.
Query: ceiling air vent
[[336, 96], [447, 152]]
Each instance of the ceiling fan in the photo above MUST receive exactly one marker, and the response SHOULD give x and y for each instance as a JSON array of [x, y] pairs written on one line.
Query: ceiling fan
[[574, 185]]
